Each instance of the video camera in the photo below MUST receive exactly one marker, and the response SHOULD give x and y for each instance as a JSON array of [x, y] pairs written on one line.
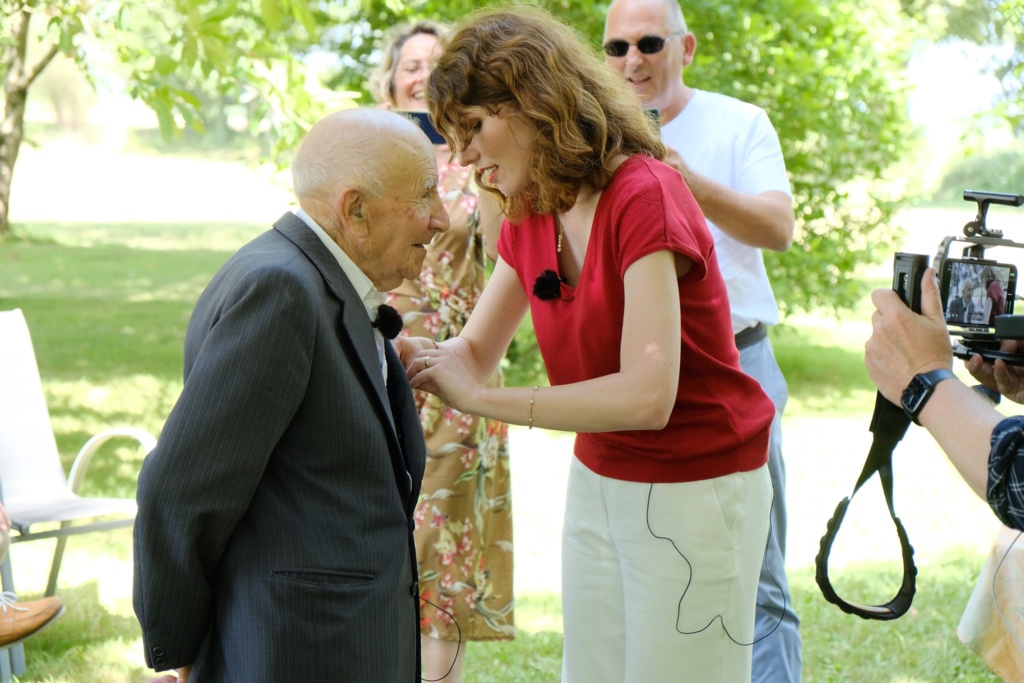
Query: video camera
[[978, 294], [977, 301]]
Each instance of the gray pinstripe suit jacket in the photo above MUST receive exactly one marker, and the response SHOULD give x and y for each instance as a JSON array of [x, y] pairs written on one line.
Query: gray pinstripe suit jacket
[[273, 540]]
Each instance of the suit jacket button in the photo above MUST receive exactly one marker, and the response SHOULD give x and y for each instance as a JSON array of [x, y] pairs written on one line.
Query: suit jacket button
[[160, 663], [158, 652], [414, 590]]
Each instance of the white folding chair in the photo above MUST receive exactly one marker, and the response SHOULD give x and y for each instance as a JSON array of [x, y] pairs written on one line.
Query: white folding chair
[[32, 483]]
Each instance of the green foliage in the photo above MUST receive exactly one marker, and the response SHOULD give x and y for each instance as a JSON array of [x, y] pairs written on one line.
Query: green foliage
[[183, 58], [1000, 171], [994, 23], [523, 365], [188, 59], [828, 76], [920, 647]]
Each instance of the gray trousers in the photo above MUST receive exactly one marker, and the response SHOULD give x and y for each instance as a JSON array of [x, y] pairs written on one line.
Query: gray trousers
[[777, 657]]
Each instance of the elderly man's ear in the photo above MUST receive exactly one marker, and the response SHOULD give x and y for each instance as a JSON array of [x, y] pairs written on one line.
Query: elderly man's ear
[[353, 210]]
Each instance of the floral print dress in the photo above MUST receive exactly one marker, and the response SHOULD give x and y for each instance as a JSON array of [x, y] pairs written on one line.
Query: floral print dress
[[464, 514]]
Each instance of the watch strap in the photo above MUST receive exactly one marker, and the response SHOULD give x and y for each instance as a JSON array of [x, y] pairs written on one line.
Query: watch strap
[[929, 379]]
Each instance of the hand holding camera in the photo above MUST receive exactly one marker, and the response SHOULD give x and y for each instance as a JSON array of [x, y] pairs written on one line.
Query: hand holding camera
[[909, 355], [997, 374], [913, 343]]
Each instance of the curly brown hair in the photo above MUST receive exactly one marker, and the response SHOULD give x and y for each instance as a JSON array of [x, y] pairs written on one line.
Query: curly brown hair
[[522, 61]]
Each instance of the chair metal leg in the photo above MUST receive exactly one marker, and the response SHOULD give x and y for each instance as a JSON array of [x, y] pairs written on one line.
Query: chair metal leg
[[58, 555], [12, 659], [5, 666], [12, 662]]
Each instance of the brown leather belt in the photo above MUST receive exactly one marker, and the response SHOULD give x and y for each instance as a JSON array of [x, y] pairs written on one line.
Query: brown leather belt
[[751, 336]]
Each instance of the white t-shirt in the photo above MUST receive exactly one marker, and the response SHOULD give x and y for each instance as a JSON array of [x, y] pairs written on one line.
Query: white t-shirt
[[734, 143]]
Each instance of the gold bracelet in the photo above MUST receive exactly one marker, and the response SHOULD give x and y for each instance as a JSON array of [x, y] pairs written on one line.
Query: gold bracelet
[[533, 396]]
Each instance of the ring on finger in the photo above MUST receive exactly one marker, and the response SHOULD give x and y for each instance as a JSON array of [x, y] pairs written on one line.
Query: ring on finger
[[426, 361]]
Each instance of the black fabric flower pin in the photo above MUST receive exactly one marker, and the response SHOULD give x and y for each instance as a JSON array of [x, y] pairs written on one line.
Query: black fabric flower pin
[[548, 286], [389, 321]]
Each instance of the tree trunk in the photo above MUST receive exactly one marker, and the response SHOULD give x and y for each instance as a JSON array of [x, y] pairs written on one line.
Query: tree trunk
[[17, 79]]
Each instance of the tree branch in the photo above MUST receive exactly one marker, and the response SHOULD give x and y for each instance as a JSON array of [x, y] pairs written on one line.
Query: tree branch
[[43, 62]]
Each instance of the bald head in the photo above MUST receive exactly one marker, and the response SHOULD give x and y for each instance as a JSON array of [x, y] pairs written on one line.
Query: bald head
[[670, 10], [353, 148], [368, 177]]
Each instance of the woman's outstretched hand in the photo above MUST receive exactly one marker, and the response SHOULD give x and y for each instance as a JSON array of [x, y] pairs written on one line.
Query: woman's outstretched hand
[[448, 371]]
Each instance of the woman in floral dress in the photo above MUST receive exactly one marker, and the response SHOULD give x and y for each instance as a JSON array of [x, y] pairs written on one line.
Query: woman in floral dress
[[464, 516]]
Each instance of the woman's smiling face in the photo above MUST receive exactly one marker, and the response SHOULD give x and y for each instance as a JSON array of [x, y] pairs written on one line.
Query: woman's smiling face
[[501, 147], [415, 60]]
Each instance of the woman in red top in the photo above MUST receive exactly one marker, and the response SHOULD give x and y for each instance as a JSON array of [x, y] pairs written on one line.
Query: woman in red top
[[667, 510], [995, 297]]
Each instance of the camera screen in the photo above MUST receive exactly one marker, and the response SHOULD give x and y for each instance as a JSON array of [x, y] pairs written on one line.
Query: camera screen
[[974, 292]]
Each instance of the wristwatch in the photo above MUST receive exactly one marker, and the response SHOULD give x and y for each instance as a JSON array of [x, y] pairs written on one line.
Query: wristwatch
[[920, 390]]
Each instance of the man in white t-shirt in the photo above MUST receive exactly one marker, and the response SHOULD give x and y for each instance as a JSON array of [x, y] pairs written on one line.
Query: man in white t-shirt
[[730, 157]]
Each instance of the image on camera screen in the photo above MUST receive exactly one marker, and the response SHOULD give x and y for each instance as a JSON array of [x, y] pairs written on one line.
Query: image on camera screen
[[974, 292]]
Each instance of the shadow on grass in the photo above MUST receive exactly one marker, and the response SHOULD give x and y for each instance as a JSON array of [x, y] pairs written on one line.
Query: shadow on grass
[[107, 323], [105, 310], [919, 647], [86, 643], [91, 643]]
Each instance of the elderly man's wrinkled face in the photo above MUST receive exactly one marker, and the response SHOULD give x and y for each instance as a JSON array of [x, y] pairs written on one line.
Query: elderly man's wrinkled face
[[406, 218]]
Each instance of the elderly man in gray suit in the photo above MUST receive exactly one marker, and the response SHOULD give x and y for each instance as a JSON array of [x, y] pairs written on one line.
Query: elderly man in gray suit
[[274, 534]]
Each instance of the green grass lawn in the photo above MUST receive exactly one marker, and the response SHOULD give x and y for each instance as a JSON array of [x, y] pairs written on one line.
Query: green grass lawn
[[108, 305]]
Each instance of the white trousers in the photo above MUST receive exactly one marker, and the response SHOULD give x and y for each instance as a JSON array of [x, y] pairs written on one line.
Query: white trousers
[[659, 581]]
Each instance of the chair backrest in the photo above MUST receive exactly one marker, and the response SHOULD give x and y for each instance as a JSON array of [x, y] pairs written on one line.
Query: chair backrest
[[29, 460]]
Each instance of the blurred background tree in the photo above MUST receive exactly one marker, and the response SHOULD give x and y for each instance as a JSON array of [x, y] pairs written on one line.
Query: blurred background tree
[[186, 59], [829, 76], [990, 23], [987, 151], [832, 77]]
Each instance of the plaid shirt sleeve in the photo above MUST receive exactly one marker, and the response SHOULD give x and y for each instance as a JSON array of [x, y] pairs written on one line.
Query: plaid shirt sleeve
[[1006, 472]]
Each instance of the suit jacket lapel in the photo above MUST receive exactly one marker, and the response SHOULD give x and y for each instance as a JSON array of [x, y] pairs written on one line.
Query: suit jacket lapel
[[409, 461], [352, 323], [395, 399]]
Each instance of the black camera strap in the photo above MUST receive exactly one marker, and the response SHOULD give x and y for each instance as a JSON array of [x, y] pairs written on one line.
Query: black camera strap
[[888, 424]]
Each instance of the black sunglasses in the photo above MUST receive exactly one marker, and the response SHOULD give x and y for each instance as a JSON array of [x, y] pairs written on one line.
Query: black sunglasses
[[648, 45]]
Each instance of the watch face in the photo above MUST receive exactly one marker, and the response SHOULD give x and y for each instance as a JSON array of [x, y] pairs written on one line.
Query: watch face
[[920, 390], [914, 395]]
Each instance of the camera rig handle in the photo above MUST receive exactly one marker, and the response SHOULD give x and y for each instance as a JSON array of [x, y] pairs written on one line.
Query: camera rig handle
[[977, 227]]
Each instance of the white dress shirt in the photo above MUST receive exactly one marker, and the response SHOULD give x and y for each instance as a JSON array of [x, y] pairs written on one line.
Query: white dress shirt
[[362, 284]]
